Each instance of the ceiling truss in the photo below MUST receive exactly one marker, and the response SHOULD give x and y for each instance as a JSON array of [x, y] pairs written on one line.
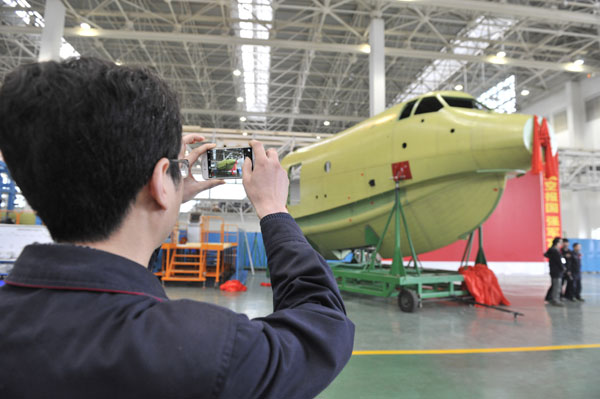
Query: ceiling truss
[[318, 70]]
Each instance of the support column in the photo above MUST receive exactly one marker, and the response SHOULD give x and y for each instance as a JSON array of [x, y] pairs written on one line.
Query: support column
[[54, 18], [575, 115], [376, 67]]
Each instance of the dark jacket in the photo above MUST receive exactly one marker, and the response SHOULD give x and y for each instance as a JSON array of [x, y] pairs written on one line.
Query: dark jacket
[[576, 264], [556, 261], [81, 323], [567, 254]]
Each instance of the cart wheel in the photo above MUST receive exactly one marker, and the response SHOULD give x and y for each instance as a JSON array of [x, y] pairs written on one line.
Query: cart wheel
[[408, 300]]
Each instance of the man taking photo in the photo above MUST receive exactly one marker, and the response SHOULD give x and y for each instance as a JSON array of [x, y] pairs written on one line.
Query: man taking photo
[[96, 149]]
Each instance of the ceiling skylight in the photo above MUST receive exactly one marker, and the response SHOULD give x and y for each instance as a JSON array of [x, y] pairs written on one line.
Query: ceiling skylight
[[35, 18], [439, 71], [256, 20], [501, 97]]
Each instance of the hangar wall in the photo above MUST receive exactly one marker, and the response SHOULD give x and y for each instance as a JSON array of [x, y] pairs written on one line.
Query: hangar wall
[[580, 214], [574, 111]]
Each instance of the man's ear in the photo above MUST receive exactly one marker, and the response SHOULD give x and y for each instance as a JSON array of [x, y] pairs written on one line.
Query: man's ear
[[159, 183]]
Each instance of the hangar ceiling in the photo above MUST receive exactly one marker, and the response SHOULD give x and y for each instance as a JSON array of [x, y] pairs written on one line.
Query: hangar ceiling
[[302, 65]]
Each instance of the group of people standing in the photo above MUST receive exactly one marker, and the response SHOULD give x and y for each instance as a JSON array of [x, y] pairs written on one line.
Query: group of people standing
[[565, 271]]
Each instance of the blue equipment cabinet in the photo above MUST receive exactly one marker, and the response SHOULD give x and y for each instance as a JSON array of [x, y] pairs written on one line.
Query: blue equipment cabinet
[[7, 186]]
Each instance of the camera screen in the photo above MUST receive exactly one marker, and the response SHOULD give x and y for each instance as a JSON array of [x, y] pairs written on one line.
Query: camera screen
[[224, 163]]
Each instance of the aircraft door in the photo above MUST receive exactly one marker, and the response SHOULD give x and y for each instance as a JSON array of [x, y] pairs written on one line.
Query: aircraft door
[[294, 174]]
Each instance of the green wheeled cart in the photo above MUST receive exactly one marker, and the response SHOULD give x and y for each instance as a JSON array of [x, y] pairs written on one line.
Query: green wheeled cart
[[411, 284]]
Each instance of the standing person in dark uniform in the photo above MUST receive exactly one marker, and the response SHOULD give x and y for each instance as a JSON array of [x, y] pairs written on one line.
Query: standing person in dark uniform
[[576, 271], [557, 267], [566, 286]]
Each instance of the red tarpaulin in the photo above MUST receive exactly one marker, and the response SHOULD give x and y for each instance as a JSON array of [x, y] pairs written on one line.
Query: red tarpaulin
[[233, 286], [483, 285]]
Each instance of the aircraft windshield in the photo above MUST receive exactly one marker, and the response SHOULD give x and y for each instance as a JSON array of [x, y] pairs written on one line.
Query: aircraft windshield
[[461, 102]]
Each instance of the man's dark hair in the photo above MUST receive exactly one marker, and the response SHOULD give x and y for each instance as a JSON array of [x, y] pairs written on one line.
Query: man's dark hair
[[81, 138], [555, 241], [565, 240], [576, 244]]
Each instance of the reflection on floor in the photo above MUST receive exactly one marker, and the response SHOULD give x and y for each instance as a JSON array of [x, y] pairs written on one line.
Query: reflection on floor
[[380, 325]]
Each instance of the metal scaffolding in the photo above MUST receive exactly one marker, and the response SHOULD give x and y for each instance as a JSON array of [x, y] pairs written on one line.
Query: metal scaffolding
[[579, 170]]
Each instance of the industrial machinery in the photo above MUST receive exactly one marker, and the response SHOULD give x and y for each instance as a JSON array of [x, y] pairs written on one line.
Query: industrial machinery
[[439, 163]]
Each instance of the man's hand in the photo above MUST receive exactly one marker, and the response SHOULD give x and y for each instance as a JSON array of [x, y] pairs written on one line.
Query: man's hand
[[191, 186], [266, 185]]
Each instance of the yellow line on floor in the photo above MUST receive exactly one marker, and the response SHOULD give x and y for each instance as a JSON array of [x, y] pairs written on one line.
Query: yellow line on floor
[[476, 350]]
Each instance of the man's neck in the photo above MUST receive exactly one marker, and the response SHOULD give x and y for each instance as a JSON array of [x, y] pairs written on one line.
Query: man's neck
[[134, 241], [140, 233], [133, 251]]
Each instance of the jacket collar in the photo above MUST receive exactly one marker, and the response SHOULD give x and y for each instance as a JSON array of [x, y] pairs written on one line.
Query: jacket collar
[[71, 267]]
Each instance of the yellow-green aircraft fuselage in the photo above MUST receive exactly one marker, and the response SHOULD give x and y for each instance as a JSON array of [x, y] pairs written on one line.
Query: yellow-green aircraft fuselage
[[455, 154]]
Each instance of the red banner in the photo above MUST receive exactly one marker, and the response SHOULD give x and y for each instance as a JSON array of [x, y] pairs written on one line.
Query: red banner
[[552, 220]]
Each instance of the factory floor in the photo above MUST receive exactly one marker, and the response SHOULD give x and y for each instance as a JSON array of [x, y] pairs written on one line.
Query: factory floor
[[540, 355]]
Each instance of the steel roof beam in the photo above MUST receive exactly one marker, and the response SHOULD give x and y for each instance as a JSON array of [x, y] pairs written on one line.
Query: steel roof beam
[[223, 112], [507, 10], [292, 44]]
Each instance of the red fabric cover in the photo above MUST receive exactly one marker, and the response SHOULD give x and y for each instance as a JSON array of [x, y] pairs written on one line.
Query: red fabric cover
[[541, 138], [536, 150], [265, 284], [483, 285], [233, 286]]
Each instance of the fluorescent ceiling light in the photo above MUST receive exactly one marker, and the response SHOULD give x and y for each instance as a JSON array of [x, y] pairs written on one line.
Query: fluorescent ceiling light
[[88, 32], [572, 67], [240, 99], [326, 123], [365, 48], [524, 92], [85, 25], [501, 54], [244, 133], [579, 62], [318, 137], [497, 60], [237, 72], [243, 119], [458, 87]]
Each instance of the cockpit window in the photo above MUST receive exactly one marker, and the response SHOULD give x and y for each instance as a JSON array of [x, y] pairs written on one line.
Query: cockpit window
[[407, 109], [428, 104], [465, 103]]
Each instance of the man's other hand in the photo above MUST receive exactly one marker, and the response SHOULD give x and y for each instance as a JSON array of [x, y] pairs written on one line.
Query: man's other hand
[[191, 186], [266, 185]]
